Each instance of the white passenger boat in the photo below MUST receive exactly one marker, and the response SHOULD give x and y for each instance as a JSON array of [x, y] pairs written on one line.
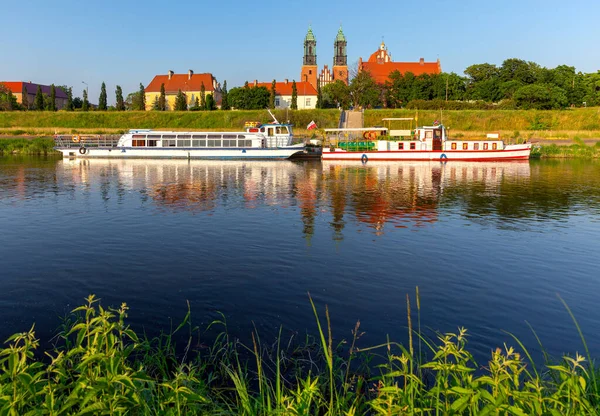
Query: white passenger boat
[[423, 143], [258, 141]]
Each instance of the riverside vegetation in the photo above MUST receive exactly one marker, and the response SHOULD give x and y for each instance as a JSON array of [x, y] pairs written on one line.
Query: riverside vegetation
[[99, 365]]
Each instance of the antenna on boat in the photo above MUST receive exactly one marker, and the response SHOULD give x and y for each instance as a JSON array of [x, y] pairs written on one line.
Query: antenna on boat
[[274, 119]]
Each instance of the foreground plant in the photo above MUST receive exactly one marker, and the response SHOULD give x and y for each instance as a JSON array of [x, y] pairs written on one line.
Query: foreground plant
[[101, 366]]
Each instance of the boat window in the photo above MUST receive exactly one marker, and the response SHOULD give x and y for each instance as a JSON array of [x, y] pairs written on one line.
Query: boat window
[[152, 143], [199, 136], [465, 146], [262, 129], [428, 134], [453, 146], [168, 136], [413, 146], [169, 143], [400, 146], [138, 143], [270, 131], [494, 146], [139, 136], [214, 143], [183, 136], [437, 134], [199, 143], [229, 136], [229, 143], [183, 143], [286, 130], [485, 146], [278, 130], [154, 136], [241, 136], [214, 136], [248, 143], [475, 146]]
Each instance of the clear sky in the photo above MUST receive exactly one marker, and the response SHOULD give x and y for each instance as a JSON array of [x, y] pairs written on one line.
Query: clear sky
[[127, 42]]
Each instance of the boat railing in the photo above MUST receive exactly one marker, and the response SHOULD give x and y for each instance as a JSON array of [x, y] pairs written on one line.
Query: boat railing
[[86, 140]]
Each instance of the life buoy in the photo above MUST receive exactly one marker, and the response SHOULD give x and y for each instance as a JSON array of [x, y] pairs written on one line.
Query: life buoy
[[76, 139], [369, 135], [364, 158], [82, 150], [443, 157]]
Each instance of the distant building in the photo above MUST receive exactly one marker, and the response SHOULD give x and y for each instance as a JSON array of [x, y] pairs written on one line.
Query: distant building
[[307, 94], [380, 66], [17, 88], [190, 84]]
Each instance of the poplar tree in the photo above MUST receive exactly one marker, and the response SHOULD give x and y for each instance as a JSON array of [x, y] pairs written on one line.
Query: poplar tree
[[102, 99], [25, 98], [86, 104], [180, 102], [70, 106], [319, 96], [210, 103], [162, 99], [39, 99], [272, 95], [156, 103], [52, 98], [224, 99], [120, 102], [202, 97], [294, 105], [142, 98]]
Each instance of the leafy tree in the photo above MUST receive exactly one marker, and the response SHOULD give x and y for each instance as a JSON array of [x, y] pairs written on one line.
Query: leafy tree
[[162, 99], [202, 97], [85, 106], [272, 94], [364, 91], [52, 106], [294, 104], [338, 94], [156, 103], [120, 106], [541, 97], [77, 102], [210, 103], [142, 98], [247, 98], [39, 99], [8, 101], [102, 100], [180, 102], [519, 70], [25, 98], [224, 98]]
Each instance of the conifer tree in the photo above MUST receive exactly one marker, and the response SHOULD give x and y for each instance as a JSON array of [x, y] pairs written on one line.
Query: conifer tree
[[156, 103], [224, 99], [272, 95], [319, 96], [102, 99], [197, 103], [180, 102], [120, 102], [162, 100], [202, 97], [70, 106], [142, 98], [210, 103], [39, 99], [52, 98], [25, 99], [86, 104], [294, 105]]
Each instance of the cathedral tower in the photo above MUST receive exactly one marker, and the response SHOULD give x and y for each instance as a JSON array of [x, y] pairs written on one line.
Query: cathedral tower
[[309, 64], [340, 58]]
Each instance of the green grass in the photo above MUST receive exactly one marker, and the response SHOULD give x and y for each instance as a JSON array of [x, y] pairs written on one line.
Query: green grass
[[99, 365], [579, 150], [36, 146]]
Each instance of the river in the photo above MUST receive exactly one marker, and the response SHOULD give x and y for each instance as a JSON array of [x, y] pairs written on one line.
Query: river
[[490, 246]]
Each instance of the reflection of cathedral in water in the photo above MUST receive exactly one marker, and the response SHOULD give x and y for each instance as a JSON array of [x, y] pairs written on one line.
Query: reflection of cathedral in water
[[392, 195]]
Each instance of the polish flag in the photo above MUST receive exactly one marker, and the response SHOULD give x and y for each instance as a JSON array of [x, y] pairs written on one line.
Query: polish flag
[[311, 125]]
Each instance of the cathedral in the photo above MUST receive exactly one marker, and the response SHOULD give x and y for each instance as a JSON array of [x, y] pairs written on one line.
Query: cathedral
[[310, 71]]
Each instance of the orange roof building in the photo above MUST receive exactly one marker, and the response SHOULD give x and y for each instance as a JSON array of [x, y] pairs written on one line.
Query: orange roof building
[[307, 94], [18, 87], [190, 84], [380, 65]]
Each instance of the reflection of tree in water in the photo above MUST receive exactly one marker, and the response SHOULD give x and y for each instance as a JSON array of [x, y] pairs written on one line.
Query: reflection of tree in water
[[187, 196]]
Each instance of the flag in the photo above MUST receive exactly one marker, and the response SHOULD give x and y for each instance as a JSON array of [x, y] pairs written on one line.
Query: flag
[[311, 125]]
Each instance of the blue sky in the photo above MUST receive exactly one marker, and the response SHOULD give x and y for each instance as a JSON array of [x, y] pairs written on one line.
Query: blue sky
[[127, 42]]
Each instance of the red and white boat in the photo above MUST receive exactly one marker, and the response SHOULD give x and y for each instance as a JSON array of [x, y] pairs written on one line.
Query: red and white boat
[[423, 143]]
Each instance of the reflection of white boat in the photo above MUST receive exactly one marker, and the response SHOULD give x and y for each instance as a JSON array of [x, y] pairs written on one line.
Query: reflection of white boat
[[424, 143], [267, 141]]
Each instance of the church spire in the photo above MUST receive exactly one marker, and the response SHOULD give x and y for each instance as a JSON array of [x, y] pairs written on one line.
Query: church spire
[[340, 58], [310, 48]]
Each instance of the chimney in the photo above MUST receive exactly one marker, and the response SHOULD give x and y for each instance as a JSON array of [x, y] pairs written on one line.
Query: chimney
[[422, 61], [286, 81], [190, 73], [255, 83], [170, 74]]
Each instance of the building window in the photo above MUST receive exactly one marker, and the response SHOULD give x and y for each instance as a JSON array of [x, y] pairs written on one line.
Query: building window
[[276, 102], [465, 146], [400, 146], [485, 146], [475, 146], [308, 102], [453, 146], [413, 146]]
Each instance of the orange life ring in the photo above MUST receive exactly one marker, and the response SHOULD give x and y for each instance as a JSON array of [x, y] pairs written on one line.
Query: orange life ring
[[369, 135], [76, 139]]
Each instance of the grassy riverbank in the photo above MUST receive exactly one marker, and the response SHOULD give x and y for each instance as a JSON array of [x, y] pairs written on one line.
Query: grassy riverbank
[[100, 366], [564, 124]]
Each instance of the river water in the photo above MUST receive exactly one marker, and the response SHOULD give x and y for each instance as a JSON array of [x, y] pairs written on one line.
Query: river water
[[490, 246]]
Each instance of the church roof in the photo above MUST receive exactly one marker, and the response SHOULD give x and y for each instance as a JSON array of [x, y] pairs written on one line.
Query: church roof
[[340, 36], [310, 35], [183, 82]]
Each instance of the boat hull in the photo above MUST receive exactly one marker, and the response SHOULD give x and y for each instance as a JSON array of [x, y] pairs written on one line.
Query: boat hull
[[188, 153], [510, 152]]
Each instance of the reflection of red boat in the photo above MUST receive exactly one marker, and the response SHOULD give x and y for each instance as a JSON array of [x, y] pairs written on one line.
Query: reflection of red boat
[[424, 143]]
